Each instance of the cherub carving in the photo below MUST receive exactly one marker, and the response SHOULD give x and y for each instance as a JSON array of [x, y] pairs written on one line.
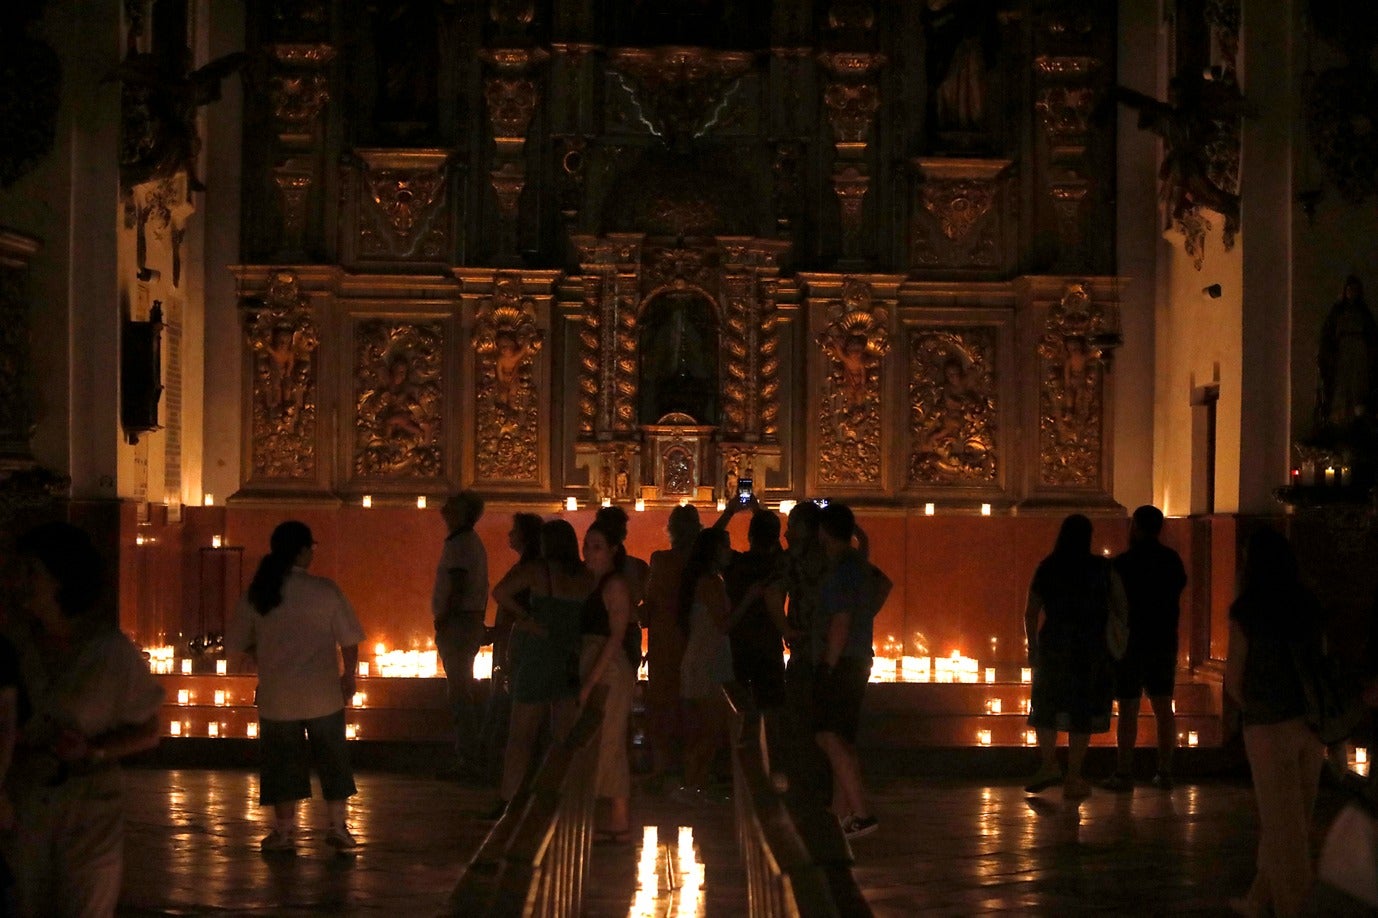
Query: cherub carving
[[288, 351]]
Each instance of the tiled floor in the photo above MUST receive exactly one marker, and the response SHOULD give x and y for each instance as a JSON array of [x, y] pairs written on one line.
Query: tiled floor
[[945, 847]]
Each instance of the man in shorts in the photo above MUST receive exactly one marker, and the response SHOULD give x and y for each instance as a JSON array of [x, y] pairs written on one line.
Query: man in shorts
[[1153, 578], [841, 647]]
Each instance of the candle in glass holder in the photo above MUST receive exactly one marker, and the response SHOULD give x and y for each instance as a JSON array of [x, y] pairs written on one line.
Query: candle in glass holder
[[217, 541], [175, 728], [571, 504], [640, 505], [221, 667], [421, 502], [212, 729], [220, 696], [983, 737], [993, 705], [607, 502], [351, 731], [1329, 475], [183, 696], [363, 667], [929, 509], [722, 505], [985, 509], [367, 501], [1026, 675], [251, 730], [208, 500], [1193, 738], [186, 667], [990, 673], [1030, 737]]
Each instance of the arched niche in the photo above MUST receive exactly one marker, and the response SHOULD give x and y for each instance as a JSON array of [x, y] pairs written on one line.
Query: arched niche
[[678, 348]]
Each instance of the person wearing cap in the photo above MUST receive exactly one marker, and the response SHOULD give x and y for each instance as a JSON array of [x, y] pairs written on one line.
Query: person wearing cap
[[299, 629]]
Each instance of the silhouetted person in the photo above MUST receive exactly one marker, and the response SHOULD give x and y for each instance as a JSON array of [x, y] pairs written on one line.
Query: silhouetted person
[[665, 643], [755, 592], [86, 700], [459, 602], [1274, 621], [841, 640], [704, 620], [1153, 579], [1076, 594]]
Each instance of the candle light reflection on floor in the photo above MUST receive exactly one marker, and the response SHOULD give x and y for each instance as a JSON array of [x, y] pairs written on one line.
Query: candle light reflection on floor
[[670, 880]]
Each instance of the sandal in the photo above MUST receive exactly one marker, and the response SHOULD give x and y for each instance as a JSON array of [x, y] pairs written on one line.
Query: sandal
[[612, 837]]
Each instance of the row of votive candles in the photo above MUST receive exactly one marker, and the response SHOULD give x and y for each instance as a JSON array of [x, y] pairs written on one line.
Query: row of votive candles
[[954, 668], [222, 698], [984, 737], [391, 664], [1309, 474], [216, 729]]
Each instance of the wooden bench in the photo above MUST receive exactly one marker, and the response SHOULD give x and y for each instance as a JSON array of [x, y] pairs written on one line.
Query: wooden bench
[[535, 859]]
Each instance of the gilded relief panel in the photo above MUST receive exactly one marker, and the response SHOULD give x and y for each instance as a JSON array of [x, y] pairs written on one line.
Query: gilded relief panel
[[398, 399], [1072, 378], [958, 220], [953, 399], [854, 344], [282, 337], [506, 341]]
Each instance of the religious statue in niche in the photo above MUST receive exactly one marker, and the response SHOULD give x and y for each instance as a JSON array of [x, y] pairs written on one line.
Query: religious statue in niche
[[962, 41], [952, 398], [399, 398], [1072, 367], [506, 341], [282, 337], [1200, 127], [1347, 384], [679, 366], [854, 343]]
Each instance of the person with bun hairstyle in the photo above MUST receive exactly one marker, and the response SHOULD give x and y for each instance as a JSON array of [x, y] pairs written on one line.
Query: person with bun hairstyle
[[298, 628]]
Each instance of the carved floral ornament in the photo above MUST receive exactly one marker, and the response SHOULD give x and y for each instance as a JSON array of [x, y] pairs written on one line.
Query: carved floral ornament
[[406, 197], [511, 104], [851, 109]]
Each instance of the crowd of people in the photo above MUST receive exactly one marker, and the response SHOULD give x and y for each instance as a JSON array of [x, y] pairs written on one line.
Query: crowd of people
[[710, 615], [76, 695]]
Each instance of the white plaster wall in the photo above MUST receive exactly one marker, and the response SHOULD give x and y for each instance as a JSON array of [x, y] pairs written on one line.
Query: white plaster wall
[[221, 375], [1141, 35]]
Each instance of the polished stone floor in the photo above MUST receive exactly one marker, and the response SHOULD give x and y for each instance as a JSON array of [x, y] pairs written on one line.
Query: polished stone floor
[[945, 847]]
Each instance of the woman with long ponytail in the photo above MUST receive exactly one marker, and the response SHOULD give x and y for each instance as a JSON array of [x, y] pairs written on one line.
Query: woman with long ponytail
[[298, 628]]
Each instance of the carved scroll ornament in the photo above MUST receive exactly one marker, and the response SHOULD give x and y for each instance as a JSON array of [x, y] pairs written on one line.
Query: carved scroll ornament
[[952, 393], [282, 337], [854, 343], [506, 341], [1071, 386], [398, 399]]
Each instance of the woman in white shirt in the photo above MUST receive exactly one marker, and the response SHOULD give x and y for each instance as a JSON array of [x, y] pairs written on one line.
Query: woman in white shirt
[[297, 627]]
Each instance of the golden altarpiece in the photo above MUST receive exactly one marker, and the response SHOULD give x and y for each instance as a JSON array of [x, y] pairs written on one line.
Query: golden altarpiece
[[642, 250]]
